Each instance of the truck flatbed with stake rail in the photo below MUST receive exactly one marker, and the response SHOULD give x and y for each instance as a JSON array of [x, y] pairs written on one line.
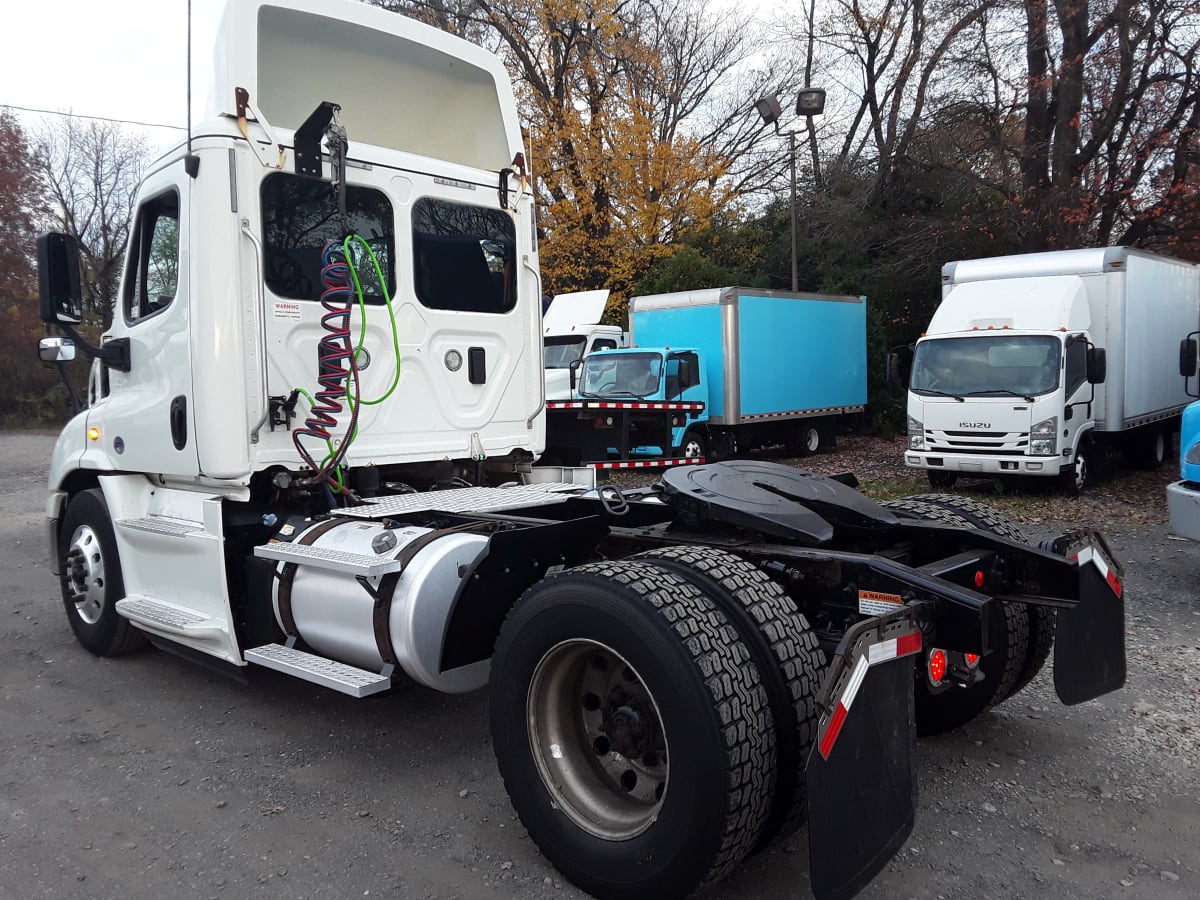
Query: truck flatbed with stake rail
[[309, 445]]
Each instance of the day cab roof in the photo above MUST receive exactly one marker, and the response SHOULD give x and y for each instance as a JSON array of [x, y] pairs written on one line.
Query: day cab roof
[[400, 84]]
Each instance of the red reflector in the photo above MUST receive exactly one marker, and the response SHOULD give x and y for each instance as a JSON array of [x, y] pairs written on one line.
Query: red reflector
[[937, 666], [972, 659], [979, 579]]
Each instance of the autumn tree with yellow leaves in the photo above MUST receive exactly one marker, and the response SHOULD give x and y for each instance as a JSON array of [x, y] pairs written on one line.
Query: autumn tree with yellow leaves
[[641, 123]]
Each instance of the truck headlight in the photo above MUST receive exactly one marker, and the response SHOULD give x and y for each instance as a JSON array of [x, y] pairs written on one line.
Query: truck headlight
[[916, 434], [1193, 454], [1043, 439]]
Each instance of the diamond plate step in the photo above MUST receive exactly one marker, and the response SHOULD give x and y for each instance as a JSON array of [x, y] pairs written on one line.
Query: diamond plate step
[[463, 500], [162, 525], [159, 616], [340, 677], [324, 558]]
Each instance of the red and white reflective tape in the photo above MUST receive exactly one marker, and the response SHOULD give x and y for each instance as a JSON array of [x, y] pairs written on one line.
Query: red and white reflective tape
[[884, 651], [620, 404], [1090, 554], [650, 463], [802, 413]]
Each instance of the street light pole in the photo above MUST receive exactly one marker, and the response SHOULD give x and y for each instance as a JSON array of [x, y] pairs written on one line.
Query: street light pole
[[795, 244], [810, 102]]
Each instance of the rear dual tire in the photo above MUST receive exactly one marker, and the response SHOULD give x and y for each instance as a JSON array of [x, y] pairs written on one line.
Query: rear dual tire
[[632, 730]]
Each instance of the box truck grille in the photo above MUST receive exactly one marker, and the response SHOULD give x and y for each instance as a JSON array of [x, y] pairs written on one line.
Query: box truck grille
[[996, 443]]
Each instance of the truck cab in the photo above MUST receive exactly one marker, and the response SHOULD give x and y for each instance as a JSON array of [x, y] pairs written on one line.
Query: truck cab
[[571, 330], [656, 375]]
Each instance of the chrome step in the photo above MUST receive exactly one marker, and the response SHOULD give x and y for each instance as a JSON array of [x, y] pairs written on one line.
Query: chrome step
[[159, 616], [328, 673], [324, 558], [162, 525]]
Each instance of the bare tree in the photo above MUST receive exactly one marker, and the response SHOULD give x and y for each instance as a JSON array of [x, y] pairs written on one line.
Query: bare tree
[[92, 170]]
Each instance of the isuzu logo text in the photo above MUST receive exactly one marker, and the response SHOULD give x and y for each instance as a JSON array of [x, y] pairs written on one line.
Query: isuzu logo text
[[974, 424]]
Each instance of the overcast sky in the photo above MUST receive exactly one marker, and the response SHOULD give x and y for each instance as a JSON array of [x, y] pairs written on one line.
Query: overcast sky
[[120, 59]]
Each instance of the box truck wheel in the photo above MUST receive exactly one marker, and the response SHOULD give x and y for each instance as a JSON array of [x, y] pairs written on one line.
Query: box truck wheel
[[806, 439], [1075, 479], [1042, 619], [785, 650], [631, 731], [1151, 448], [91, 578], [694, 445], [945, 710]]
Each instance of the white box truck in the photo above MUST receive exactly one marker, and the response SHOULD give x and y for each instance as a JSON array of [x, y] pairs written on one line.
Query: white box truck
[[1039, 364], [571, 329]]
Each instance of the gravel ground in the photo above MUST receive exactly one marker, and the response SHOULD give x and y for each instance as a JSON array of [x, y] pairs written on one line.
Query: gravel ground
[[147, 776]]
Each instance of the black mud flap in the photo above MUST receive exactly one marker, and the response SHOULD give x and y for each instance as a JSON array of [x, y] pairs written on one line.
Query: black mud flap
[[862, 791], [1089, 646]]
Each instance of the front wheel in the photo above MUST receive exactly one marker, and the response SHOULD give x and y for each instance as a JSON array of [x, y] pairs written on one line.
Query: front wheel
[[631, 730], [1075, 479], [91, 578], [694, 446]]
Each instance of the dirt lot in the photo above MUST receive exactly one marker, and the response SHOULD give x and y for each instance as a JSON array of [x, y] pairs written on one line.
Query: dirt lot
[[146, 776]]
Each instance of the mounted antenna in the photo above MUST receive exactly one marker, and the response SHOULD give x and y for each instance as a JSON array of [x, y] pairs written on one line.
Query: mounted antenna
[[191, 162]]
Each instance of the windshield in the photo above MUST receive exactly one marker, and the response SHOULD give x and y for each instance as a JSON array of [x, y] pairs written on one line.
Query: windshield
[[1023, 365], [608, 374], [560, 352]]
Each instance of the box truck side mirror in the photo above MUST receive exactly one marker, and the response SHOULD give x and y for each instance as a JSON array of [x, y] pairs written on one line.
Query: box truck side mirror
[[576, 364], [1187, 357], [899, 366], [58, 279], [1097, 365]]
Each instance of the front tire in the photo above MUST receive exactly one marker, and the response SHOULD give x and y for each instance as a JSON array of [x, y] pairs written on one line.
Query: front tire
[[694, 446], [91, 579], [1076, 479], [631, 731]]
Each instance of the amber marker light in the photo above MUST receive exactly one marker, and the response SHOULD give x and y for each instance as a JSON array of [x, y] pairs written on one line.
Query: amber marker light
[[93, 434]]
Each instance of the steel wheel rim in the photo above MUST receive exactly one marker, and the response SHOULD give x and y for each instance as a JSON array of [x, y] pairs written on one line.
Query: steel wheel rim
[[597, 739], [692, 449], [812, 440], [85, 574], [1080, 472], [1160, 449]]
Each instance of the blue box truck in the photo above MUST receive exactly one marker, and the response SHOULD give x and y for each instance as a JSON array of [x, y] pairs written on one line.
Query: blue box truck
[[770, 367]]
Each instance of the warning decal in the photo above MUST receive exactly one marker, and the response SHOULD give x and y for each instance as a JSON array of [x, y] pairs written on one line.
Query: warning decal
[[287, 309], [874, 603]]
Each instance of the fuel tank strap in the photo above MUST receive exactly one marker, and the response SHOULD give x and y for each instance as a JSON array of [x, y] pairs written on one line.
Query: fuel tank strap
[[382, 612]]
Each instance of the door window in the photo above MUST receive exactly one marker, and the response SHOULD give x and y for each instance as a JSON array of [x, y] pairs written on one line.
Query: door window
[[152, 277]]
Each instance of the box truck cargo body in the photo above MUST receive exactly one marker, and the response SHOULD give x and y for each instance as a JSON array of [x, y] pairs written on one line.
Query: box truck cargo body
[[779, 366], [1039, 364]]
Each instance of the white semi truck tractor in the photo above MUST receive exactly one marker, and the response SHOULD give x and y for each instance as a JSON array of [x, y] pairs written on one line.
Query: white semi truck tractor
[[307, 445]]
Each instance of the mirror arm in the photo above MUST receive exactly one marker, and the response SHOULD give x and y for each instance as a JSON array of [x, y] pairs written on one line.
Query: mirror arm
[[114, 354]]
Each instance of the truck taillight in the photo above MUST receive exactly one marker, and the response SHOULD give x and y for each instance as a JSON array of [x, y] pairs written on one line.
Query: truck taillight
[[937, 665], [971, 659]]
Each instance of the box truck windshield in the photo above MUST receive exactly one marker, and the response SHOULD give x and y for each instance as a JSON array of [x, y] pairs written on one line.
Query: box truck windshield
[[1018, 365], [563, 350], [620, 374]]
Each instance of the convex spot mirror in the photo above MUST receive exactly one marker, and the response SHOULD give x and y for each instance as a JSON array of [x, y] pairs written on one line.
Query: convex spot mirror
[[56, 349]]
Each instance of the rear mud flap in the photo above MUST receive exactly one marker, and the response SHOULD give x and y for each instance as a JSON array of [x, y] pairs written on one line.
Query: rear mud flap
[[1089, 646], [862, 790]]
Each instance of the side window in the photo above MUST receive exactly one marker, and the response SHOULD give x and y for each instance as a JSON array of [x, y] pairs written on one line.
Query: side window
[[604, 344], [463, 257], [681, 373], [1076, 365], [300, 215], [152, 278]]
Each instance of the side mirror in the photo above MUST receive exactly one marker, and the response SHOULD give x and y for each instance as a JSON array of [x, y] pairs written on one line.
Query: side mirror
[[686, 379], [576, 365], [56, 349], [1187, 357], [58, 279], [899, 366], [1097, 365]]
